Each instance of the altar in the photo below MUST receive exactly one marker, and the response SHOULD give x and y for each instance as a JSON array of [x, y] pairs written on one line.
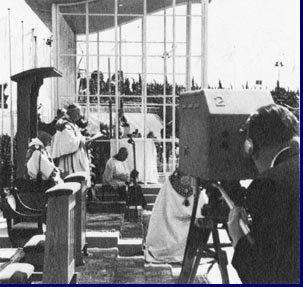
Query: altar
[[151, 171]]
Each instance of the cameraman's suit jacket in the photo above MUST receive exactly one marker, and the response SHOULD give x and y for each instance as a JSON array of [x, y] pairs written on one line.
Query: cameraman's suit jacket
[[273, 201]]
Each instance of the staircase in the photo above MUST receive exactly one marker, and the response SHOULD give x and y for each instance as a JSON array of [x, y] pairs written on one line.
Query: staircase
[[110, 202], [116, 245], [116, 254]]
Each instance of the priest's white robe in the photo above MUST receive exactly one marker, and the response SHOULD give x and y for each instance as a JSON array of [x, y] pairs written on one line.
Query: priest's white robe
[[169, 225], [67, 146]]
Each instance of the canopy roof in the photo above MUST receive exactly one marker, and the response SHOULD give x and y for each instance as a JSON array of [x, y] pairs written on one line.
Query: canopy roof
[[43, 8]]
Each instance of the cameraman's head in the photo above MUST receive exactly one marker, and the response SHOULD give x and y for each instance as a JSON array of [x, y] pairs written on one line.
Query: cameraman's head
[[270, 129]]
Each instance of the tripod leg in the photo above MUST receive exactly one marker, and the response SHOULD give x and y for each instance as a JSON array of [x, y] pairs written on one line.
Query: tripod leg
[[221, 256], [190, 249], [195, 268]]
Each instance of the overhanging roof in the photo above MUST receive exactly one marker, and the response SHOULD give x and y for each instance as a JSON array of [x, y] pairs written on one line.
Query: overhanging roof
[[43, 8]]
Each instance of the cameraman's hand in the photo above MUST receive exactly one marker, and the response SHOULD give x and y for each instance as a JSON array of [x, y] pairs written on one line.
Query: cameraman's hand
[[234, 227]]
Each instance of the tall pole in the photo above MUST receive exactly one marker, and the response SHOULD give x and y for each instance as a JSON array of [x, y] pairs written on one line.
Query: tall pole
[[98, 75], [116, 77], [144, 87], [204, 43], [110, 101], [188, 44], [120, 47], [11, 92], [2, 118], [87, 60], [174, 86], [35, 49], [22, 37], [164, 96], [55, 50], [120, 65]]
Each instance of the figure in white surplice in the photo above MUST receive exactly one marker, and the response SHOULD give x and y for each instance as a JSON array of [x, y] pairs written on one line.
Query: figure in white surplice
[[169, 223], [69, 146]]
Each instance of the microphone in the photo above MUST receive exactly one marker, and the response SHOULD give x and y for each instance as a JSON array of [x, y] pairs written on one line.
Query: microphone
[[130, 140]]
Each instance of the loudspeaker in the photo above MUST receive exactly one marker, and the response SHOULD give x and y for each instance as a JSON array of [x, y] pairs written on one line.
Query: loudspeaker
[[211, 145]]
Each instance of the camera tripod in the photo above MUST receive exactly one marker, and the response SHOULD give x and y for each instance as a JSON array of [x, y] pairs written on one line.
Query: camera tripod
[[198, 236]]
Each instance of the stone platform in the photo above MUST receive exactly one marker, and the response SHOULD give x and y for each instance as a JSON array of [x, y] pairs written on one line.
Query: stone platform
[[116, 254]]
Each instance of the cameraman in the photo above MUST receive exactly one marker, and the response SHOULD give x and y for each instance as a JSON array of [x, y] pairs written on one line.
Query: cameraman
[[272, 141]]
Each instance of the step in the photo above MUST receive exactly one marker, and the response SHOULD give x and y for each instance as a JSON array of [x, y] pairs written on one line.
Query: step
[[4, 239], [150, 198], [97, 206], [158, 273], [130, 246], [130, 270], [145, 222], [102, 239], [133, 213], [104, 221], [150, 206], [99, 267], [132, 228], [100, 193], [151, 188], [108, 197]]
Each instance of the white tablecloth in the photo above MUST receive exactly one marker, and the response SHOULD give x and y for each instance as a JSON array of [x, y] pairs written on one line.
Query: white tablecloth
[[151, 171]]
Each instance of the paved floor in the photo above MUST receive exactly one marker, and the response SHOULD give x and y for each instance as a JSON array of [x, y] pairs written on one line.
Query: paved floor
[[106, 265]]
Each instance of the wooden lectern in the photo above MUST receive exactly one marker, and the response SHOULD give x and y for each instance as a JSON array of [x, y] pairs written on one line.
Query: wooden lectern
[[80, 215], [59, 253], [28, 86]]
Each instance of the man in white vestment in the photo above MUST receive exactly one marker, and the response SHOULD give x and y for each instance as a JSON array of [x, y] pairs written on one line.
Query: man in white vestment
[[41, 172], [69, 146], [169, 223], [116, 172], [39, 162]]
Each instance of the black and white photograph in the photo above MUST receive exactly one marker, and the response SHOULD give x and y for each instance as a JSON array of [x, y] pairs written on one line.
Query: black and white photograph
[[150, 142]]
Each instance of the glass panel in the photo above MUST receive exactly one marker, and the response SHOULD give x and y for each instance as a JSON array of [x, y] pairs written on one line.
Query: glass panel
[[196, 36], [105, 49], [155, 65], [107, 35], [180, 65], [155, 29], [196, 9], [134, 49], [155, 49], [132, 31], [180, 29], [196, 73], [180, 50]]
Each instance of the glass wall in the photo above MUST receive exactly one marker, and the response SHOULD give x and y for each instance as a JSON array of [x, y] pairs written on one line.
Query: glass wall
[[126, 68]]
